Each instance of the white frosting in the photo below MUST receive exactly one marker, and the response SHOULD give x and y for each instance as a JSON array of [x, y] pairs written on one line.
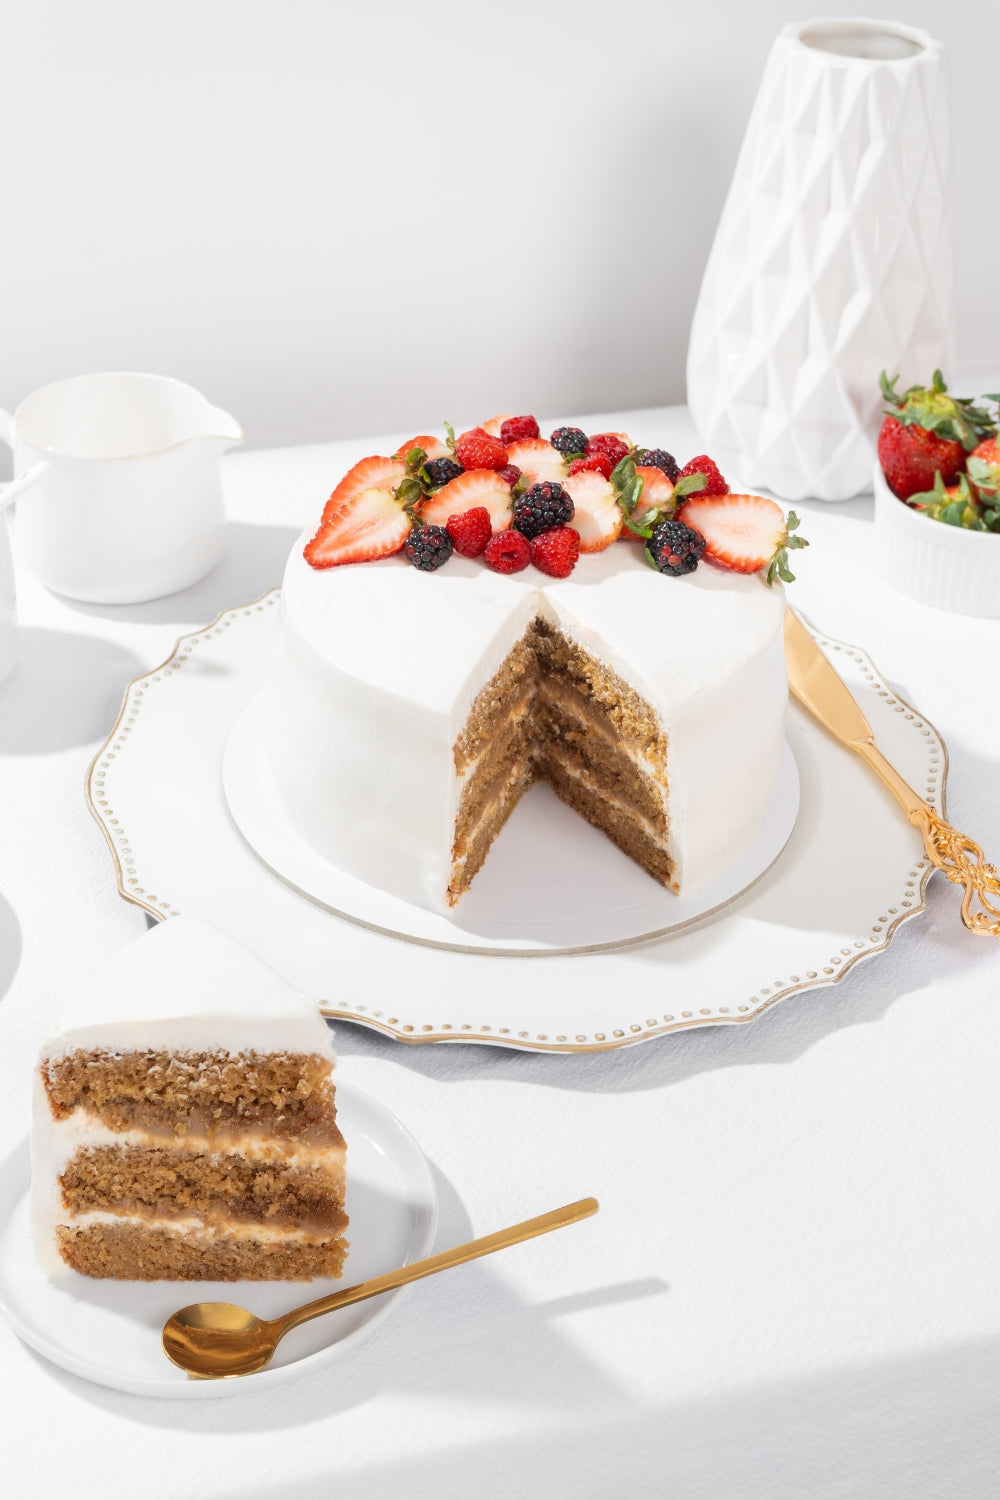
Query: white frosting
[[379, 664], [184, 986]]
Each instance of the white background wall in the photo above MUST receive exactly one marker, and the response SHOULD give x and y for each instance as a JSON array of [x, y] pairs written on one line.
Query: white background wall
[[340, 217]]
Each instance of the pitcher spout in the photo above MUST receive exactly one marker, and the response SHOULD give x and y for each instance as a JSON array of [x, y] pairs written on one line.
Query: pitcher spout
[[222, 429]]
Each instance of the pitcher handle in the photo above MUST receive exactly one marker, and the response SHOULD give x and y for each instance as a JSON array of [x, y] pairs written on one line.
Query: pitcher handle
[[15, 487], [6, 427]]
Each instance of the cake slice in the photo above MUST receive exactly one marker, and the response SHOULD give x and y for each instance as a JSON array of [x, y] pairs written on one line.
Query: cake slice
[[184, 1125]]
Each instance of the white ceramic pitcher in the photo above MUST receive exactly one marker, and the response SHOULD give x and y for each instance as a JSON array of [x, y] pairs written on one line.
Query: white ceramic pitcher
[[120, 483]]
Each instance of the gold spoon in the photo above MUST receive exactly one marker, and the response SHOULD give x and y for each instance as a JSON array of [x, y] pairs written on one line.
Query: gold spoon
[[216, 1340]]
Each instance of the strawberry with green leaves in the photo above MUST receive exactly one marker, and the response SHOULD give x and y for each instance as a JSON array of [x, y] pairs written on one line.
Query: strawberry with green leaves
[[960, 504], [926, 431]]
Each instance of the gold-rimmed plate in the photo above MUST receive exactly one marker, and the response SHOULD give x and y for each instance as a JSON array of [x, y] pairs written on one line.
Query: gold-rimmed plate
[[156, 789]]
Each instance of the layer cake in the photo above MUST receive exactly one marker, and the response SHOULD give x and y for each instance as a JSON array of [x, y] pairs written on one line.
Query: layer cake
[[184, 1121], [407, 713]]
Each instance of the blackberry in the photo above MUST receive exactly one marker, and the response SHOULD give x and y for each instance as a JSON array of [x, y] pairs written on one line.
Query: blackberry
[[441, 470], [659, 458], [569, 440], [429, 547], [543, 507], [675, 548]]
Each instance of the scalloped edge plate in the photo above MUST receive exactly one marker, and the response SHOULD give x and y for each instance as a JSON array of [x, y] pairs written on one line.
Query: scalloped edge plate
[[851, 874]]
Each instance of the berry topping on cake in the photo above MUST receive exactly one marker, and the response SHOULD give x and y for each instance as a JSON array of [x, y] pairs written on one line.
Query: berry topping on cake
[[744, 532], [927, 432], [541, 508], [615, 444], [597, 516], [479, 450], [657, 490], [714, 482], [569, 440], [495, 424], [511, 473], [507, 552], [470, 531], [516, 429], [675, 548], [658, 458], [429, 547], [432, 447], [478, 487], [440, 470], [369, 474], [555, 552], [595, 463], [368, 526], [537, 460]]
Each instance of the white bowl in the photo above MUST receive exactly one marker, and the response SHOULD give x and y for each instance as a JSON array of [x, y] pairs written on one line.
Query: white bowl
[[944, 566]]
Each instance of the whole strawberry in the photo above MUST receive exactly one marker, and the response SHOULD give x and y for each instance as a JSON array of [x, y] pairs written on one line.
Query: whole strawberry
[[927, 432]]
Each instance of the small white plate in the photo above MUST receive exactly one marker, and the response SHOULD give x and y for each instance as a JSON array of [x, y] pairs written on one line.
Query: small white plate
[[585, 895], [109, 1331]]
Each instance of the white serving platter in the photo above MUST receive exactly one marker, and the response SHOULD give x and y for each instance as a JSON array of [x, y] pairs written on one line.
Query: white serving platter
[[156, 788], [109, 1331], [583, 895]]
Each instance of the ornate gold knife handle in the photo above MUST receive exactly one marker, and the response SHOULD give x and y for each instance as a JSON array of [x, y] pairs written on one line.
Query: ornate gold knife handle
[[964, 863], [949, 851]]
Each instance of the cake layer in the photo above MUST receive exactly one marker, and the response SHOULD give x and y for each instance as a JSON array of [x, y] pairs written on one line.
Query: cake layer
[[620, 825], [133, 1251], [374, 746], [150, 1182], [288, 1095]]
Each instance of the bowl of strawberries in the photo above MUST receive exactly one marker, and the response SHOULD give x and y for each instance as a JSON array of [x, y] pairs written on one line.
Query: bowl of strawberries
[[937, 498]]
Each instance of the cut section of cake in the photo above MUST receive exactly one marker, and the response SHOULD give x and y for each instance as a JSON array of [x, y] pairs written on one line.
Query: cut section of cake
[[184, 1122]]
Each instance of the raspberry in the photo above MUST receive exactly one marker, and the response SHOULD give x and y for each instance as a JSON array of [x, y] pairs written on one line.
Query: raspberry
[[659, 458], [511, 473], [555, 552], [477, 450], [569, 440], [716, 485], [675, 548], [609, 443], [470, 531], [441, 470], [428, 547], [507, 552], [542, 507], [598, 463], [515, 429]]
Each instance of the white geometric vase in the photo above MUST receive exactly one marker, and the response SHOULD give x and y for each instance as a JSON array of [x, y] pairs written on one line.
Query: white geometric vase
[[833, 259]]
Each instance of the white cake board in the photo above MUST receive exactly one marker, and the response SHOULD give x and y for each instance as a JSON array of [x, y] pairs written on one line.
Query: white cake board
[[551, 883]]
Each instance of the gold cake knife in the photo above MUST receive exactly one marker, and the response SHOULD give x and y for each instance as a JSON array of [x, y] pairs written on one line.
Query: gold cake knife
[[819, 688]]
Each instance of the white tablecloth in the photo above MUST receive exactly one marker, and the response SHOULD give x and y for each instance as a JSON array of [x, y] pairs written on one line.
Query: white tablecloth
[[791, 1289]]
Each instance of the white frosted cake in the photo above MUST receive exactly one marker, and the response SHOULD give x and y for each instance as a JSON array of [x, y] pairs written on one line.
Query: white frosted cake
[[406, 714], [184, 1124]]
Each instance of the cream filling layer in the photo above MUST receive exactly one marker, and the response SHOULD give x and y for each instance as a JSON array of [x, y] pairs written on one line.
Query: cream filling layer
[[82, 1129], [196, 1229]]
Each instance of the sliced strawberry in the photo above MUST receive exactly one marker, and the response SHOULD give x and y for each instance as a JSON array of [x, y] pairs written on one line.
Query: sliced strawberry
[[657, 490], [494, 425], [743, 532], [476, 487], [369, 474], [434, 447], [370, 525], [597, 517], [537, 460]]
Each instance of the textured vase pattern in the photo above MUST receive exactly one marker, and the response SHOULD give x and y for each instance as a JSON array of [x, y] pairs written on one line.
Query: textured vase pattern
[[833, 260]]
